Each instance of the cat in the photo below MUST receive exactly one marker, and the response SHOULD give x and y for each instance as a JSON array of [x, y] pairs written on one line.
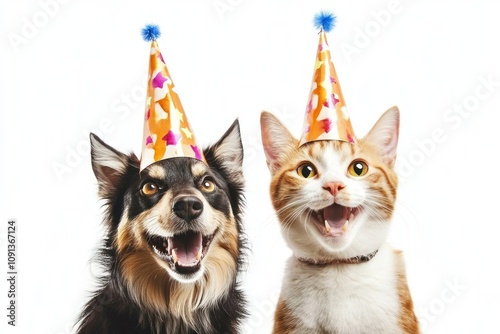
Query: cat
[[334, 201]]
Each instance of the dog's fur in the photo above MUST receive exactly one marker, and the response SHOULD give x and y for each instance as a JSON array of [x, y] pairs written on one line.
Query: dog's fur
[[145, 290]]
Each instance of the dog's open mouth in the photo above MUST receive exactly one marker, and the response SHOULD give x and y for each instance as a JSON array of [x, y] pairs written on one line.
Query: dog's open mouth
[[183, 252], [334, 220]]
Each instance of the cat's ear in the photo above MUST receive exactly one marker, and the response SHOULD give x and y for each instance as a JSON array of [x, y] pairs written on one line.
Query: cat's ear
[[384, 135], [276, 139]]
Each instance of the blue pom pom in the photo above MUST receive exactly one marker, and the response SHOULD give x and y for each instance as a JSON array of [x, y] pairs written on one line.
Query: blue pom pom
[[324, 21], [150, 32]]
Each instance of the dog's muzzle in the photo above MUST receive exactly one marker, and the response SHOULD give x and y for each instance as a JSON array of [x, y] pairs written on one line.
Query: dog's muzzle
[[183, 251]]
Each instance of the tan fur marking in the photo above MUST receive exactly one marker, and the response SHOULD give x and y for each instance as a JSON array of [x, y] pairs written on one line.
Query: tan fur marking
[[220, 262], [229, 241], [156, 172], [125, 238], [407, 319], [198, 170], [148, 282], [284, 321]]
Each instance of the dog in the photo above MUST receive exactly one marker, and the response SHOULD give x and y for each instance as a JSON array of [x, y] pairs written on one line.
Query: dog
[[175, 242]]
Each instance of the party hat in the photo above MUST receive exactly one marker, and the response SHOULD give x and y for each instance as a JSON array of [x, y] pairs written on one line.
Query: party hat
[[326, 114], [167, 133]]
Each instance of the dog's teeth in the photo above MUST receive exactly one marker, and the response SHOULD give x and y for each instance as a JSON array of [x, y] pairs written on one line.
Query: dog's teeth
[[174, 255], [346, 225], [198, 256], [169, 246], [327, 226]]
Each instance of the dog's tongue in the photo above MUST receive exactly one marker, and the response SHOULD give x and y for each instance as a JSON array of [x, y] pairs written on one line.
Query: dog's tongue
[[336, 215], [187, 248]]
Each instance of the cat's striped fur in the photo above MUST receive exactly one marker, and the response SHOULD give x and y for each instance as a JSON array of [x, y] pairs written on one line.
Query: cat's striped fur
[[334, 201]]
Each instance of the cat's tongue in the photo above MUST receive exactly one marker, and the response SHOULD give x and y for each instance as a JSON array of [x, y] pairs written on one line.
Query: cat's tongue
[[336, 216]]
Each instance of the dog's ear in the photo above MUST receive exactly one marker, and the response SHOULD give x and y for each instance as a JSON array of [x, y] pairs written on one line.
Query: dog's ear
[[227, 154], [109, 165]]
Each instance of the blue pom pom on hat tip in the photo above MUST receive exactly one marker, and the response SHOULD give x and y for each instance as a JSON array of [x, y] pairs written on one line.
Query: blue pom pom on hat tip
[[324, 20], [150, 32]]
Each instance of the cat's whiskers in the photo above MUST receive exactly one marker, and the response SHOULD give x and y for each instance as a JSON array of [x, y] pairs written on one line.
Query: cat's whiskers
[[291, 217], [293, 211], [379, 203], [373, 213], [306, 220]]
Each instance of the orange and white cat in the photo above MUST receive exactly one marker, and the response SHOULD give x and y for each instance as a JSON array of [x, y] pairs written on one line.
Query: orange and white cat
[[334, 201]]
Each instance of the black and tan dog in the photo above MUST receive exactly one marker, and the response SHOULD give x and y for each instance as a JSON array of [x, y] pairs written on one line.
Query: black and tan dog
[[174, 244]]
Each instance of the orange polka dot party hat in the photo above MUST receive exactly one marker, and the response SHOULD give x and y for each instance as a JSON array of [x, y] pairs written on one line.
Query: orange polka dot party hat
[[326, 115], [167, 132]]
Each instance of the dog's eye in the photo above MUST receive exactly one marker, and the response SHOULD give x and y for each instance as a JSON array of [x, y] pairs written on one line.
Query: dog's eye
[[149, 189], [208, 186], [307, 170], [358, 168]]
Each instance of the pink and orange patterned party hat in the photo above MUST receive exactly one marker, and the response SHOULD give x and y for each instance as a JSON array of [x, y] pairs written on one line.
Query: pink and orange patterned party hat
[[326, 114], [167, 133]]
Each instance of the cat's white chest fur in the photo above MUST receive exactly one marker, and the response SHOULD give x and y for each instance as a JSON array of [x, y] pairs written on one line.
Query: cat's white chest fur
[[344, 299]]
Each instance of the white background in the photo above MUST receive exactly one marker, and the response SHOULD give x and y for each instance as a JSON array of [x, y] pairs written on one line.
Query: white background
[[71, 67]]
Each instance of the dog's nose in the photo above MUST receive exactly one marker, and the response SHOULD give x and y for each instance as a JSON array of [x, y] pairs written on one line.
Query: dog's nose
[[188, 207]]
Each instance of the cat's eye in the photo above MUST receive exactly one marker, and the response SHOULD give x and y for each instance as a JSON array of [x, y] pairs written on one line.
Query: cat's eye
[[307, 170], [150, 188], [358, 168], [208, 186]]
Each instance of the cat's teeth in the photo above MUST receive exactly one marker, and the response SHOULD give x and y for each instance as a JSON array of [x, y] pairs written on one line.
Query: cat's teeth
[[346, 225], [198, 256], [327, 226], [351, 216]]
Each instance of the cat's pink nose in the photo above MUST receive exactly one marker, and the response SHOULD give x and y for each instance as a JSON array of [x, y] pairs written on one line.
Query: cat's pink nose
[[334, 187]]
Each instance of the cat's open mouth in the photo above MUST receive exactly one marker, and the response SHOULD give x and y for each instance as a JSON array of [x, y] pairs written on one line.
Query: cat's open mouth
[[183, 252], [334, 220]]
